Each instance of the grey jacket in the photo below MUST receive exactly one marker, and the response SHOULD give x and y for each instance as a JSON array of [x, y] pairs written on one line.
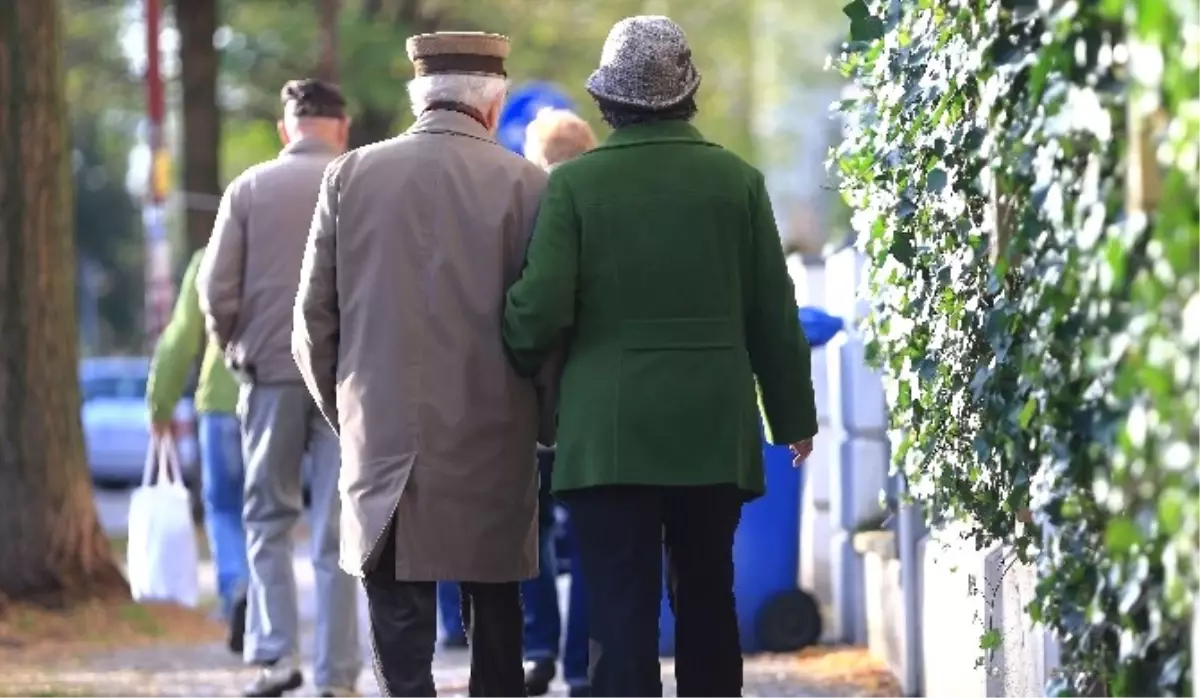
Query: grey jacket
[[251, 269]]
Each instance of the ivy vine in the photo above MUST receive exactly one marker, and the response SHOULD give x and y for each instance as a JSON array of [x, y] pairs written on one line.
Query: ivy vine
[[1023, 178]]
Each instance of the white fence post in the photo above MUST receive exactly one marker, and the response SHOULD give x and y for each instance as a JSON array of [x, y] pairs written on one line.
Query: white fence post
[[814, 573], [858, 425]]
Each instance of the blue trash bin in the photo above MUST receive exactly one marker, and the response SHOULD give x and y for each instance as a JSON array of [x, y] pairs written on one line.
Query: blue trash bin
[[773, 614], [766, 551]]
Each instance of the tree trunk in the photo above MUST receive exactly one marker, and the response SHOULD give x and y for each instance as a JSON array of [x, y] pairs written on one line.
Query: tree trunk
[[52, 550], [376, 123], [199, 65], [370, 126], [328, 66]]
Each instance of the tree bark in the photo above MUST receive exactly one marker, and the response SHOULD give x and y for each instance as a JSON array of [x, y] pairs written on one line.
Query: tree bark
[[199, 65], [52, 550], [328, 65]]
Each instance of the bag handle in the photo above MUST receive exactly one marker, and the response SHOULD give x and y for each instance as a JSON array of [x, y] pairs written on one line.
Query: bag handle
[[162, 460]]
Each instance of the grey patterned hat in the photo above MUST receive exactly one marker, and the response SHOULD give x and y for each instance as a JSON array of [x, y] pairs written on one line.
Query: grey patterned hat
[[645, 63]]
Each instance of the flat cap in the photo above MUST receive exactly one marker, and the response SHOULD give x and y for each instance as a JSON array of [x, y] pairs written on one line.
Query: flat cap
[[469, 53]]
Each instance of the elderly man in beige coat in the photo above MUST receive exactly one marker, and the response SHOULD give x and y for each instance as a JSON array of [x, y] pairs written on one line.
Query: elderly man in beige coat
[[397, 332]]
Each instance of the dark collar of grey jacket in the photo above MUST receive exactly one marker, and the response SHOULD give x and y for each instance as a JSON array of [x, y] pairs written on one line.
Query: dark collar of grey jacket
[[306, 145], [452, 122]]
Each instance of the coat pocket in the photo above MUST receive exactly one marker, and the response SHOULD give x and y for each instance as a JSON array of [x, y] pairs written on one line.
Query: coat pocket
[[681, 334], [685, 394]]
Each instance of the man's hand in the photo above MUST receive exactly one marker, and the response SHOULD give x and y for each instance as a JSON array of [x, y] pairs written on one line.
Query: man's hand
[[800, 450], [162, 429]]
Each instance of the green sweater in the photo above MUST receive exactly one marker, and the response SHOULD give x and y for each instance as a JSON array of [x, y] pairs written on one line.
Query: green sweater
[[658, 256], [180, 345]]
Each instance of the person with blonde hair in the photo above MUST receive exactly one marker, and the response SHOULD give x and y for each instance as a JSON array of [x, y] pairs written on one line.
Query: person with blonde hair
[[553, 137]]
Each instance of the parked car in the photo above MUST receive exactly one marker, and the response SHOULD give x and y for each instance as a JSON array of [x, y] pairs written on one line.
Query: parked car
[[116, 422]]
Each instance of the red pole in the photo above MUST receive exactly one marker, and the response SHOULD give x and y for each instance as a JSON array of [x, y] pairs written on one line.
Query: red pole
[[154, 86], [158, 258]]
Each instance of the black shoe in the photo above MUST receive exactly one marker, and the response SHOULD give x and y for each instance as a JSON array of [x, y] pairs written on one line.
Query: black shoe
[[273, 682], [584, 691], [237, 626], [538, 675]]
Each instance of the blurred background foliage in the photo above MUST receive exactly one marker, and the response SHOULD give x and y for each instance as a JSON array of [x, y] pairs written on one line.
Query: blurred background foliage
[[756, 57]]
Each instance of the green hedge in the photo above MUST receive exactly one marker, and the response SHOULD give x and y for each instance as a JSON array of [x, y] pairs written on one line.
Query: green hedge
[[1035, 263]]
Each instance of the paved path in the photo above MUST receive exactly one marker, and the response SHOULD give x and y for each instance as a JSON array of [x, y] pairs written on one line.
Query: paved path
[[210, 670]]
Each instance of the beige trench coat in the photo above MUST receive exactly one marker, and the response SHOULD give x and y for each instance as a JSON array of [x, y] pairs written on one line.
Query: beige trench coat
[[397, 333]]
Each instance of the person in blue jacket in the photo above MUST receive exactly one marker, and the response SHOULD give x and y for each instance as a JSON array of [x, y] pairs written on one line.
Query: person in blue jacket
[[450, 610], [553, 137]]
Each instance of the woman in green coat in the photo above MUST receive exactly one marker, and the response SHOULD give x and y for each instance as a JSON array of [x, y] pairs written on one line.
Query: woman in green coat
[[656, 257]]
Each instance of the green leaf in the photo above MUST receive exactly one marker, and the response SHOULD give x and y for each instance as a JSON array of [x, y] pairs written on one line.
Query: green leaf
[[936, 181], [869, 29], [901, 249], [857, 10], [1171, 504], [1027, 412], [1121, 536], [990, 640]]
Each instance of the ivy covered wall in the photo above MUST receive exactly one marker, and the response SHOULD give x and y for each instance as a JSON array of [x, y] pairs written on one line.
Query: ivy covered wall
[[1023, 179]]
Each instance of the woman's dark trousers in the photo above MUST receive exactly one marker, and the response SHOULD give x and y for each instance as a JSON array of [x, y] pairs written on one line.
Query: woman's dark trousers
[[622, 533]]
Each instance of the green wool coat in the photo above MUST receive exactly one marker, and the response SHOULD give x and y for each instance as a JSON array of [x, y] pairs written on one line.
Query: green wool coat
[[657, 259]]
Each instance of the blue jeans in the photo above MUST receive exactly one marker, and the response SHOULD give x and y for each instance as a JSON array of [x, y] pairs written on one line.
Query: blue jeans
[[543, 623], [222, 475], [450, 609]]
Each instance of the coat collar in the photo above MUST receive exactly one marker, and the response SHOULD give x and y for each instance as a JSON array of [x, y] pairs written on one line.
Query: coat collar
[[671, 130], [306, 145], [445, 121]]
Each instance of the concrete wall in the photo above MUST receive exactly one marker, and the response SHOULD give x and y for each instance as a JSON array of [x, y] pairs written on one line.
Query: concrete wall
[[967, 592], [815, 573], [861, 451], [884, 595]]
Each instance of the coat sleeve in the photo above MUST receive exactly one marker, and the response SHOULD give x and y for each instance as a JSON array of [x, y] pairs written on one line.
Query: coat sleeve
[[315, 321], [219, 280], [177, 349], [540, 306], [779, 352]]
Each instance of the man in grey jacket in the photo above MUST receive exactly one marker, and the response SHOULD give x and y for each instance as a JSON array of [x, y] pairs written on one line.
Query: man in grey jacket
[[247, 284]]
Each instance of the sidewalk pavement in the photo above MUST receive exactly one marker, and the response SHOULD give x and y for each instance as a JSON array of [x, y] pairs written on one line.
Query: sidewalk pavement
[[210, 670]]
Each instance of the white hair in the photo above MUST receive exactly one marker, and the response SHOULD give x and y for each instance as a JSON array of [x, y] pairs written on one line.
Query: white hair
[[476, 91]]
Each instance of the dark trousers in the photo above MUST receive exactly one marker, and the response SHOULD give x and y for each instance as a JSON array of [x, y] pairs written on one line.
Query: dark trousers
[[404, 632], [543, 622], [622, 533]]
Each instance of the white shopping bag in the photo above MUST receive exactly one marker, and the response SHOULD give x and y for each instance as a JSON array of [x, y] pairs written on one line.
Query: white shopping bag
[[163, 561]]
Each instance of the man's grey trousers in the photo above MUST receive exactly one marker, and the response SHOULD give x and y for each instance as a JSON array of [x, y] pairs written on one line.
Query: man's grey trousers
[[280, 424]]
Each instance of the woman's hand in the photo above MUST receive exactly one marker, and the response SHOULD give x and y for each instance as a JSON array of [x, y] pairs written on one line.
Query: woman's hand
[[800, 450]]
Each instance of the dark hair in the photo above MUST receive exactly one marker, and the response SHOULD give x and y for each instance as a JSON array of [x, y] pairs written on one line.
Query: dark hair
[[312, 97], [619, 115]]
